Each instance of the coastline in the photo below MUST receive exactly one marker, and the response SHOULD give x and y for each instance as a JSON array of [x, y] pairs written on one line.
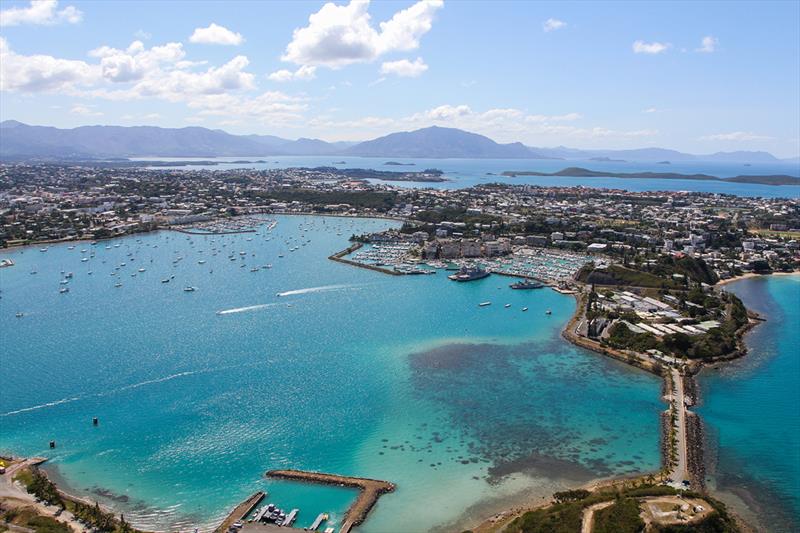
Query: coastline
[[751, 275]]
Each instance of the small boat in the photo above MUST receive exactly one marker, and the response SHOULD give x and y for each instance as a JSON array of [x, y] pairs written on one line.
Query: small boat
[[484, 304], [201, 262], [165, 280], [507, 306], [524, 308], [85, 259], [141, 270], [62, 290], [189, 289], [118, 284], [20, 315], [548, 312]]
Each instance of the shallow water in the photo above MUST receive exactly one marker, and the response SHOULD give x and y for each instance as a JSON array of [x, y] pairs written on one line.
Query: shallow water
[[751, 410], [310, 364]]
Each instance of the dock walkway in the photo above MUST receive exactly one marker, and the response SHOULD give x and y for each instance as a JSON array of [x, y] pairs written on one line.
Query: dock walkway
[[240, 511]]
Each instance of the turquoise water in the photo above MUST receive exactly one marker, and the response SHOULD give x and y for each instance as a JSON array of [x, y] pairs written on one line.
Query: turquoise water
[[348, 371], [469, 172], [751, 410]]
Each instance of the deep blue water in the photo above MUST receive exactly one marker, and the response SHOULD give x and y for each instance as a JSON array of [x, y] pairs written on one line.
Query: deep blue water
[[751, 409], [349, 371], [469, 172]]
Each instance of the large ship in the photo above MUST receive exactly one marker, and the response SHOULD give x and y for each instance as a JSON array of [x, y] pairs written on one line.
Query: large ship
[[526, 284], [469, 274]]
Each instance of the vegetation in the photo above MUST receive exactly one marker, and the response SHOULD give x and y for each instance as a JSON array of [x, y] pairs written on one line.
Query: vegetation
[[558, 518], [38, 484], [621, 517], [27, 517], [620, 275]]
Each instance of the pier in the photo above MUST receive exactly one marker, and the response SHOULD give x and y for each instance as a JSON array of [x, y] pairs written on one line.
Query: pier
[[240, 511], [369, 491]]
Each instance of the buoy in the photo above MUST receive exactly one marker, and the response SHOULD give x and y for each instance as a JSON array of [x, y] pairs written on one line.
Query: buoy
[[52, 444], [95, 421]]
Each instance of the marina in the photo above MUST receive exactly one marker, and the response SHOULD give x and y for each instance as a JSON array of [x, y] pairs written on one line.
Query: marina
[[545, 266]]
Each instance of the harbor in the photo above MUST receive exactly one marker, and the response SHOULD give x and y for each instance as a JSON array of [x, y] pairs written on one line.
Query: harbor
[[248, 517], [555, 268]]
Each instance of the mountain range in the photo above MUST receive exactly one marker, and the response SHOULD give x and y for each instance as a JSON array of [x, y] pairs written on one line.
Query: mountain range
[[20, 141]]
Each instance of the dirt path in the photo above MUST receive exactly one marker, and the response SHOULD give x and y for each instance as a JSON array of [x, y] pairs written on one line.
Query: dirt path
[[588, 515], [14, 495]]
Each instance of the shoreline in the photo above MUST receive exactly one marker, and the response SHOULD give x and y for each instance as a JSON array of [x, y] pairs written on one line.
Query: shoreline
[[753, 275]]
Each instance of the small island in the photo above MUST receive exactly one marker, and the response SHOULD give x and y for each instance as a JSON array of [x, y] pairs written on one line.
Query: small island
[[578, 172], [398, 164]]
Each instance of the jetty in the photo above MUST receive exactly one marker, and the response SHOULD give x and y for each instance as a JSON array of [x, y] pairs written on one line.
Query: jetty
[[369, 491], [240, 511]]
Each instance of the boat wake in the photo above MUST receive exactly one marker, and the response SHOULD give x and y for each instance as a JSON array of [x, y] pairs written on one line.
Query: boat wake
[[116, 391], [245, 309], [41, 406], [324, 288]]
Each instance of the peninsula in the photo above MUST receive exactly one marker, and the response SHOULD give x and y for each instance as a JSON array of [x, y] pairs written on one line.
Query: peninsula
[[578, 172]]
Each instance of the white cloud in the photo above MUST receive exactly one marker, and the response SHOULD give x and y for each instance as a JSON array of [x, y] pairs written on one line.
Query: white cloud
[[157, 73], [708, 45], [216, 34], [735, 136], [404, 68], [42, 73], [85, 110], [552, 24], [42, 12], [641, 47], [553, 118], [341, 35], [305, 72], [651, 110], [142, 35]]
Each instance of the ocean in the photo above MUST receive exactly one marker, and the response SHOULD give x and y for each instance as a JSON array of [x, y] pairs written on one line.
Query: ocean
[[751, 411], [309, 364], [462, 173]]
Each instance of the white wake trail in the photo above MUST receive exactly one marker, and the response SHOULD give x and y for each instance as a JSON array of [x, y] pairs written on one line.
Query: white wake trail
[[324, 288]]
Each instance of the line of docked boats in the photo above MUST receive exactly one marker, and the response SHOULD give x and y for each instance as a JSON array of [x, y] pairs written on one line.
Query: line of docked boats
[[272, 514]]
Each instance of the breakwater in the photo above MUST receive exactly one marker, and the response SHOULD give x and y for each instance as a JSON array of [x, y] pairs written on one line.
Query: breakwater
[[240, 511], [369, 491], [339, 258]]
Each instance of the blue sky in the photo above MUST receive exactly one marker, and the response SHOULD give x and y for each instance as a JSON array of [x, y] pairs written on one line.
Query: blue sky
[[699, 77]]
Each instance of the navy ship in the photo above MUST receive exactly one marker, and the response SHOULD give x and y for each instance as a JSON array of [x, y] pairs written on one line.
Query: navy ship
[[469, 274], [526, 284]]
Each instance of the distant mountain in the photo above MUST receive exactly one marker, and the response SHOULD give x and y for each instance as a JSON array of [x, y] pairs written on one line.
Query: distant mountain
[[22, 141], [91, 142], [437, 142]]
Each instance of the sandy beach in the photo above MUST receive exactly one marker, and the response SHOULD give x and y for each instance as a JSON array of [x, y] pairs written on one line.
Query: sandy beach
[[754, 275]]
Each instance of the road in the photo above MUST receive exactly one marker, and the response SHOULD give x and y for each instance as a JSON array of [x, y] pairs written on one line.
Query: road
[[680, 471], [587, 523]]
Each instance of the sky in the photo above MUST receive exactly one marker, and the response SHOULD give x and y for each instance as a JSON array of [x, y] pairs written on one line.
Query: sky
[[694, 76]]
